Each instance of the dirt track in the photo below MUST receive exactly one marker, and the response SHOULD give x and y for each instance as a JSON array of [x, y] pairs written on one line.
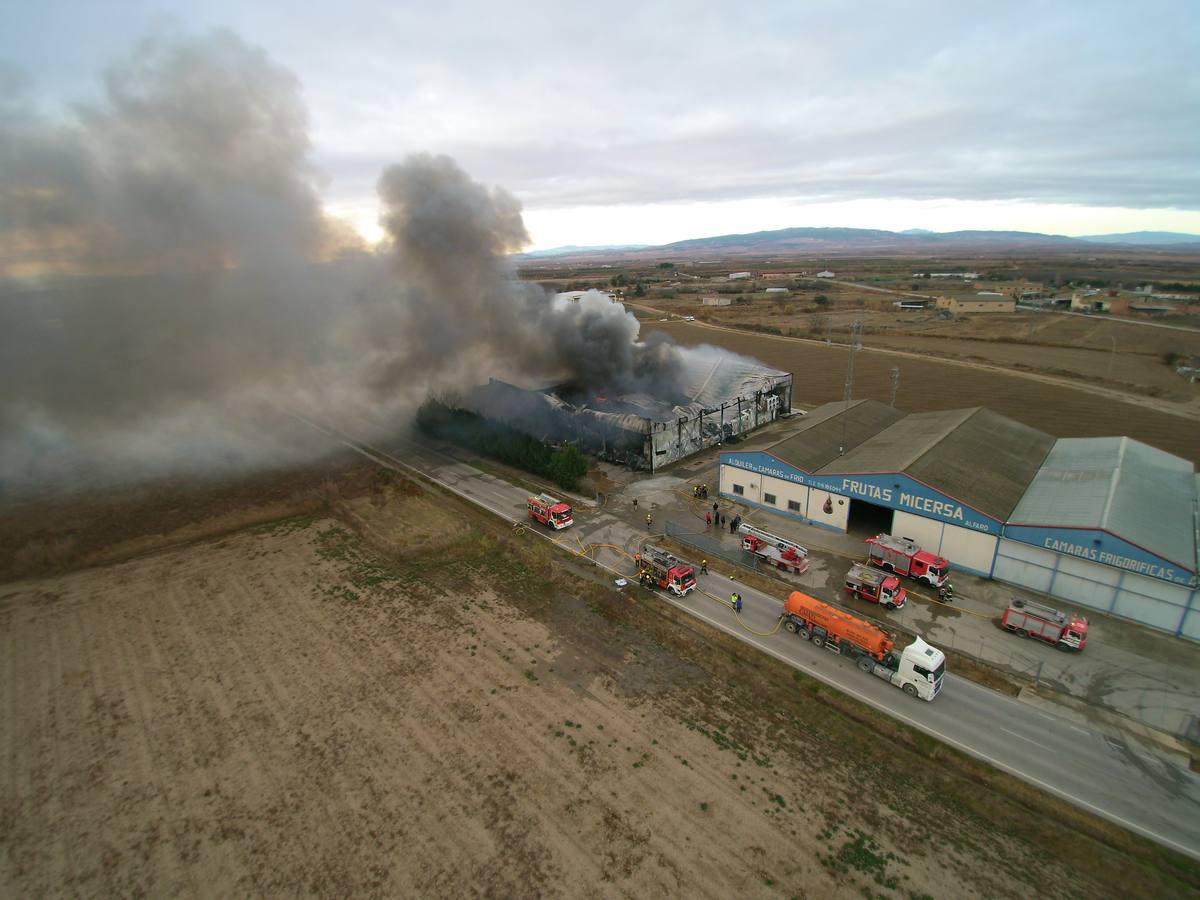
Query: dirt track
[[927, 384]]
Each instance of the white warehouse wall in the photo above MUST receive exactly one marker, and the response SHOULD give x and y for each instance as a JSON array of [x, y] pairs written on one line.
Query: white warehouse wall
[[964, 548], [809, 503]]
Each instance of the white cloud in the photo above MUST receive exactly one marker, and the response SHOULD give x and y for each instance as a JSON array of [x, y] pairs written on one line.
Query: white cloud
[[620, 123]]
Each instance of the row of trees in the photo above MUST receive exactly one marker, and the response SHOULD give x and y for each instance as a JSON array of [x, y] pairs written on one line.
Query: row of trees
[[564, 465]]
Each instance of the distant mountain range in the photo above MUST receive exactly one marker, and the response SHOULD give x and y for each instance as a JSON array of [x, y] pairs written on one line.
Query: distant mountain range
[[568, 249], [857, 241], [1144, 238]]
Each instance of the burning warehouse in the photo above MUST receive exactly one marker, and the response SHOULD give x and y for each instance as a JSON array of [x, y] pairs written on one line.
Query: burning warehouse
[[715, 396]]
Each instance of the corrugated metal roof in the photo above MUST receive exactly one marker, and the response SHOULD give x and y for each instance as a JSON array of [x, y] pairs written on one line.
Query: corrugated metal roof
[[976, 456], [1130, 489], [830, 428]]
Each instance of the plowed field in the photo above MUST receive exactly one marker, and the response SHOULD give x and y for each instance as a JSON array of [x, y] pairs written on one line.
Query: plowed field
[[285, 712], [928, 384]]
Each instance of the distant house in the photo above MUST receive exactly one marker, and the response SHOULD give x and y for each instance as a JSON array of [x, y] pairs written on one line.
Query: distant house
[[965, 276], [825, 274], [775, 291], [911, 303], [739, 276], [716, 301], [778, 276]]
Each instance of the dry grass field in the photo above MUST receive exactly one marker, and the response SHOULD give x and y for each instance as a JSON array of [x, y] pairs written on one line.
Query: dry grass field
[[287, 710]]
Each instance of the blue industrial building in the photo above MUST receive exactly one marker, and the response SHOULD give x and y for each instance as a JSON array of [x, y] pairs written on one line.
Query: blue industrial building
[[1106, 523]]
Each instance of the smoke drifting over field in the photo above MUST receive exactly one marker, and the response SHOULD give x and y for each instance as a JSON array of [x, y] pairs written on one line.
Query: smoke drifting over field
[[169, 281]]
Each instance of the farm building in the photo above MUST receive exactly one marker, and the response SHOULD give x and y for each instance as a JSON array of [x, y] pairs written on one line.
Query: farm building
[[1105, 523], [994, 303], [721, 396]]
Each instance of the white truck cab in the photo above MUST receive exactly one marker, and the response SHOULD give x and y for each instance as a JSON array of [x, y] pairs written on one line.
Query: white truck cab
[[920, 670]]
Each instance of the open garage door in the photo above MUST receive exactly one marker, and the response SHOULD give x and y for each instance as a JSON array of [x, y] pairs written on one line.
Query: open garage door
[[868, 519]]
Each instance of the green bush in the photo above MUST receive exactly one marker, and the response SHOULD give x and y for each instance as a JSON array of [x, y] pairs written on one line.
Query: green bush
[[564, 466]]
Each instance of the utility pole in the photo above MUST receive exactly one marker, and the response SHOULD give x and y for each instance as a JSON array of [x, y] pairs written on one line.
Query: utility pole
[[1112, 357], [895, 383], [848, 393], [855, 344]]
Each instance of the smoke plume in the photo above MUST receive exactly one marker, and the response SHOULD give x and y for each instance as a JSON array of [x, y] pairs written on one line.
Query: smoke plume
[[169, 284]]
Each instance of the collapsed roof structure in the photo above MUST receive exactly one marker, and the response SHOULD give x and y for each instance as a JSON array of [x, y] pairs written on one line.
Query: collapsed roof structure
[[718, 397]]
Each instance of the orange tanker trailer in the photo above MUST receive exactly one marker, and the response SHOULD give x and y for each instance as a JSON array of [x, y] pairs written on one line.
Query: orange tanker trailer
[[918, 668]]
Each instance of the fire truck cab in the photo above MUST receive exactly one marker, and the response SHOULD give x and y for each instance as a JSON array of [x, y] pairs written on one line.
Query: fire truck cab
[[875, 586], [550, 512]]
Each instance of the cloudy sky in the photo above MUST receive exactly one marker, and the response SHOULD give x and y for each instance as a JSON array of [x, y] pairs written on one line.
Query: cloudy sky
[[646, 123]]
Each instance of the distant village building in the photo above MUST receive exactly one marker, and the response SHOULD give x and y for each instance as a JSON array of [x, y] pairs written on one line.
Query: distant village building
[[825, 274], [911, 303], [739, 276], [1152, 309], [775, 291], [965, 276], [994, 304], [716, 301], [778, 276]]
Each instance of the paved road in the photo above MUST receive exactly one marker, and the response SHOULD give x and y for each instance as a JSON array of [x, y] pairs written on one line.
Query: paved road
[[1105, 773]]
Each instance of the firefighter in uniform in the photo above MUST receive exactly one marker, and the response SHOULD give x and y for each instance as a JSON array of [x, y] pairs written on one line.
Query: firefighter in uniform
[[704, 567], [649, 521]]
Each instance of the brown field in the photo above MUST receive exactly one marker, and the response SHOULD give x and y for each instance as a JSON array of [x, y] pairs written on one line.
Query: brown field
[[1074, 347], [927, 384], [283, 710]]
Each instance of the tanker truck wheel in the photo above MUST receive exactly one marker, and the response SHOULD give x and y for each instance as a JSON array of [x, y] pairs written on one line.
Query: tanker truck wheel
[[803, 634], [911, 690], [818, 641], [864, 663], [789, 625]]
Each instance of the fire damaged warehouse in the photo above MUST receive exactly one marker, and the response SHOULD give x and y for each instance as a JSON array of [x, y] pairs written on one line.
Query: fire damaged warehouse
[[716, 397]]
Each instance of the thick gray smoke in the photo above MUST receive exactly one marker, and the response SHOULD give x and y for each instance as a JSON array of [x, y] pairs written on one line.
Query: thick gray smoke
[[449, 239], [169, 286]]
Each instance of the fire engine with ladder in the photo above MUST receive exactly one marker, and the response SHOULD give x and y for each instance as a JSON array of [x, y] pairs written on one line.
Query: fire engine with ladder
[[1067, 631], [904, 556], [659, 569], [774, 550], [550, 512]]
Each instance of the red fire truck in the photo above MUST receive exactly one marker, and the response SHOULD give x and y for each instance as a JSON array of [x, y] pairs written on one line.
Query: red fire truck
[[770, 548], [878, 587], [659, 569], [905, 557], [550, 512], [1029, 619]]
